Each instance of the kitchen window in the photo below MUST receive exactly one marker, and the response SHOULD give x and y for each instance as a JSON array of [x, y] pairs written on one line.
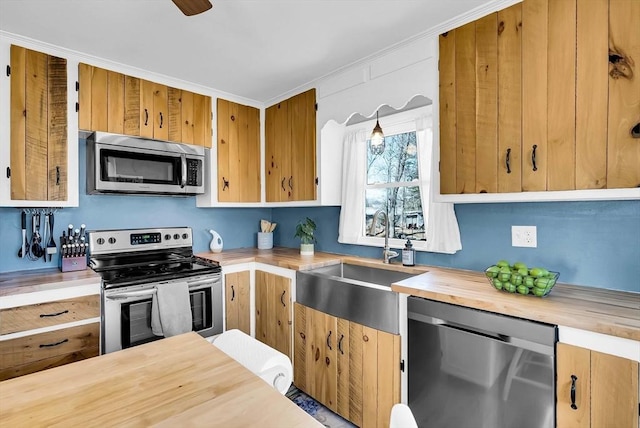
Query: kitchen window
[[396, 181]]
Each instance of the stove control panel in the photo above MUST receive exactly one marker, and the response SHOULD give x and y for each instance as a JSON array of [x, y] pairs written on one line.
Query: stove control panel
[[124, 240]]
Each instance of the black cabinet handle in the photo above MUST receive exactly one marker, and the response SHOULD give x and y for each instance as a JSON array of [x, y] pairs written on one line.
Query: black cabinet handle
[[508, 160], [329, 341], [49, 345], [282, 184], [57, 175], [161, 119], [54, 315], [574, 378], [146, 117], [340, 344], [282, 298], [225, 184], [533, 157], [233, 293], [291, 182]]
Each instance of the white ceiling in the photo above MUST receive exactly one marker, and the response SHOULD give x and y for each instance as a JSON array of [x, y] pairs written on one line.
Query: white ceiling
[[258, 49]]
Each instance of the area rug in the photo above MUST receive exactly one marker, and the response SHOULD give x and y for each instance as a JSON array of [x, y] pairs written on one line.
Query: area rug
[[322, 414]]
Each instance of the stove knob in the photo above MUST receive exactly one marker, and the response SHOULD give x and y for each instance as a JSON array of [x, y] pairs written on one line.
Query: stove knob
[[112, 240], [167, 237], [185, 236], [100, 241], [176, 236]]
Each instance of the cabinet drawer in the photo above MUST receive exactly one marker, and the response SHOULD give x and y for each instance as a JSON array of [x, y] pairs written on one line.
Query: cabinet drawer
[[29, 317], [45, 350]]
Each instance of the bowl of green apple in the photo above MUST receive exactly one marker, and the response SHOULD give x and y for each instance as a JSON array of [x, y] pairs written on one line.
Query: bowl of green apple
[[519, 278]]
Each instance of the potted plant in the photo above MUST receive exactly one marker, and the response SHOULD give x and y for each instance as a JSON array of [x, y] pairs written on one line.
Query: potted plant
[[304, 231]]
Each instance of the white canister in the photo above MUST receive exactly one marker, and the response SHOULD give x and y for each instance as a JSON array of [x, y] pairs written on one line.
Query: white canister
[[265, 240]]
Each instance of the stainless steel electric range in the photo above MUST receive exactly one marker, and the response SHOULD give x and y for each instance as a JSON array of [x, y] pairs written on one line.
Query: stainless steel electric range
[[132, 263]]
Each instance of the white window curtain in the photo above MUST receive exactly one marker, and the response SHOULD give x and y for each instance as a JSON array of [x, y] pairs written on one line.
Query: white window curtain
[[443, 234], [353, 181]]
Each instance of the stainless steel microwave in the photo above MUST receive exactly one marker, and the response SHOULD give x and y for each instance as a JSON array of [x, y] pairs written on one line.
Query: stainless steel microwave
[[123, 164]]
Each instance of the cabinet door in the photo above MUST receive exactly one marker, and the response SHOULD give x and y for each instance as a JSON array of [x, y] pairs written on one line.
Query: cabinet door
[[573, 362], [509, 99], [202, 120], [273, 311], [346, 394], [302, 118], [322, 359], [447, 88], [623, 150], [187, 117], [132, 106], [160, 111], [277, 152], [237, 301], [115, 102], [38, 126], [238, 152], [85, 73], [174, 113], [146, 109], [301, 343], [99, 100], [614, 391]]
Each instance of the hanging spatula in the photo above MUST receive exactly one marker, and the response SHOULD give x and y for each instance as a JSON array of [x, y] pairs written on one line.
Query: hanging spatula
[[51, 245]]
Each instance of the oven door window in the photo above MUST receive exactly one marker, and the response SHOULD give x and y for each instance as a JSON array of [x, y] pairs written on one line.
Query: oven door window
[[135, 318], [134, 167]]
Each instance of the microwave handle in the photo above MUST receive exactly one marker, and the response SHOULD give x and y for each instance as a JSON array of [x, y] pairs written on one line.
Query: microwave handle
[[184, 170]]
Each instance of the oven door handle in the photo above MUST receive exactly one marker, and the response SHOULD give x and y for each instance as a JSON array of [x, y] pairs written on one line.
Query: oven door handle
[[126, 295]]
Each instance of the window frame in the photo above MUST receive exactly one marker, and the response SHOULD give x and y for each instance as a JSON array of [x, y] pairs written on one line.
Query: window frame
[[396, 123]]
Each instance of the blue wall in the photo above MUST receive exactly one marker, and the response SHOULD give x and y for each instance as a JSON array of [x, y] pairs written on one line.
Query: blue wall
[[237, 226], [590, 243]]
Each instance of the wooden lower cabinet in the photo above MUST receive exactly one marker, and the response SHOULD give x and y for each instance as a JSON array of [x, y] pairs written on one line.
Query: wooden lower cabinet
[[352, 369], [37, 352], [273, 311], [606, 389], [237, 289]]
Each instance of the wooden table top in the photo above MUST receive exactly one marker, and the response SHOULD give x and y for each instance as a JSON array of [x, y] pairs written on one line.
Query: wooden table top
[[178, 381], [29, 281]]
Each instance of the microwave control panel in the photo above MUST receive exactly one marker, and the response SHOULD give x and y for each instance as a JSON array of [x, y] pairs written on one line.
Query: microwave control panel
[[194, 172]]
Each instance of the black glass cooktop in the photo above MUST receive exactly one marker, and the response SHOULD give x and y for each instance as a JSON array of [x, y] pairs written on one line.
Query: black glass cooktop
[[136, 268]]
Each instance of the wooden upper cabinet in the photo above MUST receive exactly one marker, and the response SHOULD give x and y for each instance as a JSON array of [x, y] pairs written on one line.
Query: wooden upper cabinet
[[290, 149], [38, 126], [539, 96], [120, 104], [238, 152]]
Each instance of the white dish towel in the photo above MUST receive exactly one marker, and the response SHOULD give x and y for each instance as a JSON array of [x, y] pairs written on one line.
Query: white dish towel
[[171, 309]]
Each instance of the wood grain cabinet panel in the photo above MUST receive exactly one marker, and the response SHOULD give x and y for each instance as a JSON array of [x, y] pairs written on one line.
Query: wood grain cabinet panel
[[350, 368], [568, 106], [38, 126], [238, 152], [290, 149], [29, 317], [237, 297], [606, 389], [37, 352], [273, 311]]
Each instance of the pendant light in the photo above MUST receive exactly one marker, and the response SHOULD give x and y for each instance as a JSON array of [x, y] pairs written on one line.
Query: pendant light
[[376, 143]]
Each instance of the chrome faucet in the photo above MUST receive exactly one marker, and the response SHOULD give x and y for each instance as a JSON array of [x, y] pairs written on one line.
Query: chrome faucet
[[387, 254]]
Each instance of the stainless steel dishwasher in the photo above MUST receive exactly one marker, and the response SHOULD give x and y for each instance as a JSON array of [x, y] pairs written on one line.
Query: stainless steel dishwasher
[[474, 369]]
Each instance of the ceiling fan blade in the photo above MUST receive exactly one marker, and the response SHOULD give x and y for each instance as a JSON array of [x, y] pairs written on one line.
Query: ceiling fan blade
[[193, 7]]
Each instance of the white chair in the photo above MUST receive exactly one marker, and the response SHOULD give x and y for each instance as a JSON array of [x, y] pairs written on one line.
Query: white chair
[[402, 417]]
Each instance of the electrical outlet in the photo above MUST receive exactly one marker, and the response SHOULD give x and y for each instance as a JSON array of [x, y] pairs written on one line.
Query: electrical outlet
[[524, 236]]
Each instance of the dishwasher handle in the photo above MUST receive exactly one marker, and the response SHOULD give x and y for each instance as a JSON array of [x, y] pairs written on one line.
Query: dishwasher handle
[[499, 337]]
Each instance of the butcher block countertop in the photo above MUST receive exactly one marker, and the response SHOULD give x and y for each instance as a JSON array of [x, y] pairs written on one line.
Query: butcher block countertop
[[29, 281], [174, 382], [615, 313]]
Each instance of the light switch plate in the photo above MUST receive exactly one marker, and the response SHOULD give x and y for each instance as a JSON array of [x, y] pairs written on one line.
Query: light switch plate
[[524, 236]]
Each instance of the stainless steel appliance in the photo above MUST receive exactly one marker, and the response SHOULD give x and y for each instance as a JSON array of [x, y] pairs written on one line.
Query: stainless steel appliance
[[471, 368], [132, 263], [124, 164]]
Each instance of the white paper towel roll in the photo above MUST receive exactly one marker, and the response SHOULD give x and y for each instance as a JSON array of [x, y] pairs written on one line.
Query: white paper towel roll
[[270, 365]]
